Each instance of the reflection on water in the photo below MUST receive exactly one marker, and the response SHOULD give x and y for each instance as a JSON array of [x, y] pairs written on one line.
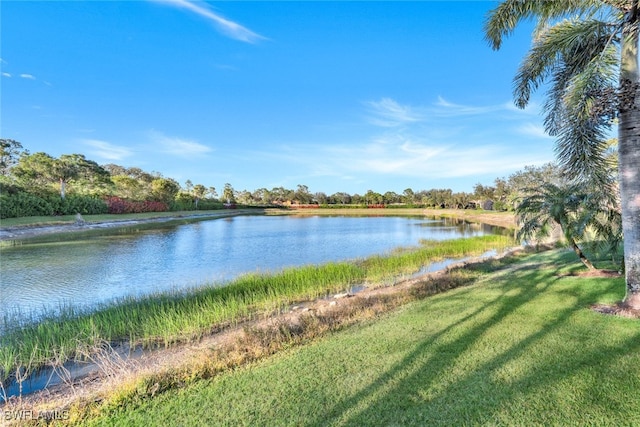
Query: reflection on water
[[83, 270]]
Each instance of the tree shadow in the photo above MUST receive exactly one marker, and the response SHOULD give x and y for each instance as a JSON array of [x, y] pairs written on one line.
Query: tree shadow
[[399, 378]]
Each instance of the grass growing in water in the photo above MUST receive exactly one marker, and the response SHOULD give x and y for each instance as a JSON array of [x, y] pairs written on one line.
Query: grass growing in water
[[519, 348], [170, 318]]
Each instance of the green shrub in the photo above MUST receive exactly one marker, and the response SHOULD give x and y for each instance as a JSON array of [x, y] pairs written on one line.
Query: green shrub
[[72, 204], [20, 204]]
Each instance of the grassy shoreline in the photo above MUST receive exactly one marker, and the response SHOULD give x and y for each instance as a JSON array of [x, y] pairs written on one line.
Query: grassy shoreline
[[501, 219], [166, 319], [518, 346]]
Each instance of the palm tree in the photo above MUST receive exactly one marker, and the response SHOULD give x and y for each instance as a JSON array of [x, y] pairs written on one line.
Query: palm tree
[[548, 204], [587, 50]]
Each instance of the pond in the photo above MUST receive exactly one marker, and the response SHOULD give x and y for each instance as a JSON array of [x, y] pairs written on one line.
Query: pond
[[85, 270]]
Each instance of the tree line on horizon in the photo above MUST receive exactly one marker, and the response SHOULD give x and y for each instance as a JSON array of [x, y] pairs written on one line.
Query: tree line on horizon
[[40, 184]]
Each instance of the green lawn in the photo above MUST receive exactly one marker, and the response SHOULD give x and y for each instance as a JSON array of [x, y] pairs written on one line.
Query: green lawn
[[519, 347]]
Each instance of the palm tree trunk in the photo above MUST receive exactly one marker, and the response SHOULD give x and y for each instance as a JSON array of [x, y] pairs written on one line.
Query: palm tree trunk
[[629, 156], [581, 255]]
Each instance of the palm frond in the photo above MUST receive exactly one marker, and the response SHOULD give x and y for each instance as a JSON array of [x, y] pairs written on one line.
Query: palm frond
[[502, 21], [583, 127], [562, 51], [581, 59]]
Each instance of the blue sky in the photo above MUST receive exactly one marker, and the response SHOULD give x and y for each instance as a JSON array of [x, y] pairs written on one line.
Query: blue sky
[[338, 96]]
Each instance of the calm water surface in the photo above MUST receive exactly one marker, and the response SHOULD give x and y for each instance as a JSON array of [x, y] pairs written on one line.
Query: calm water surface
[[86, 270]]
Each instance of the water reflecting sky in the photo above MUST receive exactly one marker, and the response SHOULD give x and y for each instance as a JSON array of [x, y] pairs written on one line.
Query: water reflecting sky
[[87, 269]]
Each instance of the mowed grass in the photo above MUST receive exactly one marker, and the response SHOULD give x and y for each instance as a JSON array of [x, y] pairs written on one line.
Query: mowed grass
[[518, 347], [170, 318]]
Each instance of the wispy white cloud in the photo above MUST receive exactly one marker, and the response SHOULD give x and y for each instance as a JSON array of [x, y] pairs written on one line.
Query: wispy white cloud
[[389, 113], [531, 129], [405, 159], [6, 74], [228, 28], [425, 143], [28, 76], [419, 160], [426, 161], [178, 146], [107, 151], [448, 109]]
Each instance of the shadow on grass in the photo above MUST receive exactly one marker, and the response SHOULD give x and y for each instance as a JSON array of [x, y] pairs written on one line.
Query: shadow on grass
[[412, 391]]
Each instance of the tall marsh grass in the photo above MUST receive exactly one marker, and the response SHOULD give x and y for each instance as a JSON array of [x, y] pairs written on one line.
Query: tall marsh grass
[[169, 318]]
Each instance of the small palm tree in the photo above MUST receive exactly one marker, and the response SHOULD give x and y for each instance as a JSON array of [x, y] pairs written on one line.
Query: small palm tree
[[604, 217], [552, 204]]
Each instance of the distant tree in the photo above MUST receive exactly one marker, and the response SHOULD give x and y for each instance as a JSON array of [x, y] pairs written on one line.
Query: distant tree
[[341, 198], [65, 170], [321, 198], [40, 170], [164, 190], [391, 197], [460, 200], [128, 187], [442, 198], [262, 195], [302, 195], [212, 192], [184, 200], [10, 153], [228, 194], [421, 197], [141, 175], [198, 191], [115, 170], [188, 186], [281, 194], [483, 192], [501, 195], [35, 172], [76, 167], [409, 196], [372, 198], [88, 176], [245, 197]]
